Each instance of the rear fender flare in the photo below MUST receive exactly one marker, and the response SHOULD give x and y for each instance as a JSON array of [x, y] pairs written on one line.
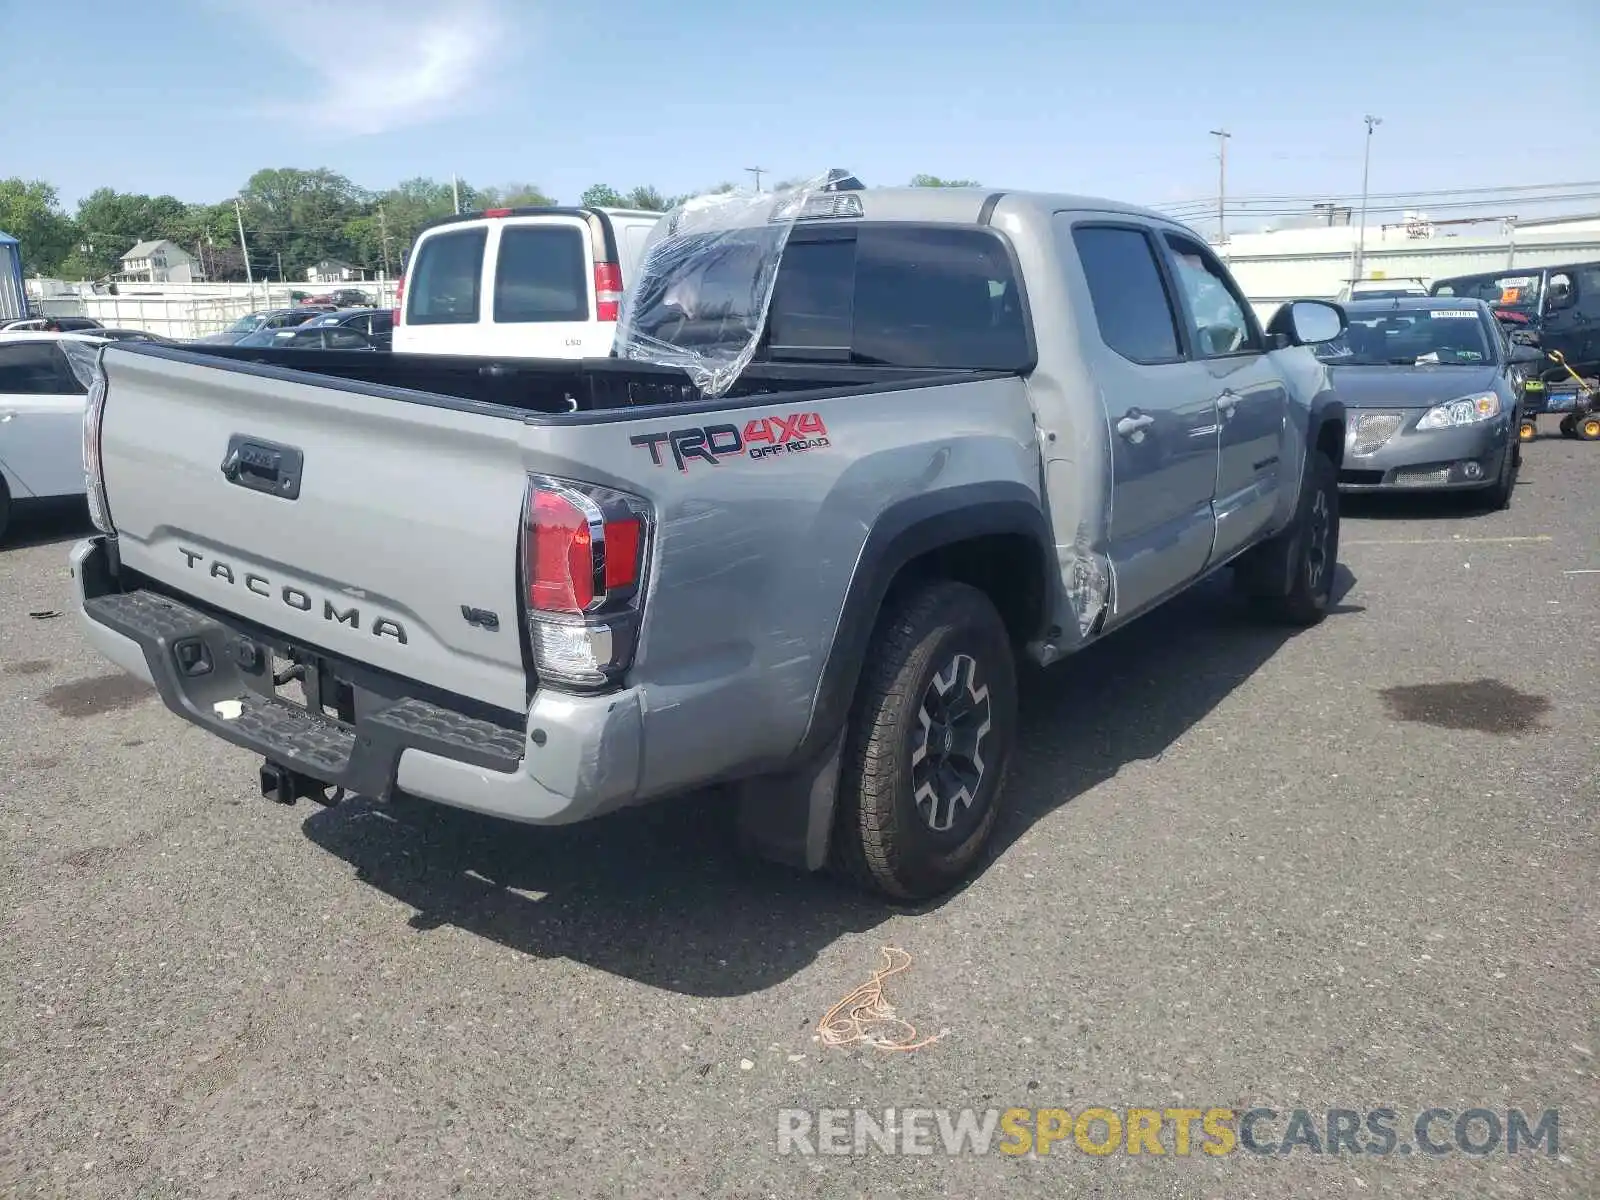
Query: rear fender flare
[[904, 532]]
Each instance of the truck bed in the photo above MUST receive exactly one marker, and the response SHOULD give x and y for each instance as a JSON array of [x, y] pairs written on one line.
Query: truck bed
[[545, 385]]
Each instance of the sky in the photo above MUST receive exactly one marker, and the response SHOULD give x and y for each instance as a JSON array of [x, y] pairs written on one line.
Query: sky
[[189, 97]]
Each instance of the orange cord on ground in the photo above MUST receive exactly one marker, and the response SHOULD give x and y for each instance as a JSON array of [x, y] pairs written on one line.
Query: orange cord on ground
[[866, 1015]]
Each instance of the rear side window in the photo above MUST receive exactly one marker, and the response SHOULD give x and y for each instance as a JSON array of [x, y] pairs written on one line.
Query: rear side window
[[445, 277], [1131, 305], [541, 274]]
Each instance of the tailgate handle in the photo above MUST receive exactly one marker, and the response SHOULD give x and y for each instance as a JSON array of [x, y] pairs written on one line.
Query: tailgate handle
[[263, 466]]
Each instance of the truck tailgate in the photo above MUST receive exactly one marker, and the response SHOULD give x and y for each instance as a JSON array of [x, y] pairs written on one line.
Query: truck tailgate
[[396, 518]]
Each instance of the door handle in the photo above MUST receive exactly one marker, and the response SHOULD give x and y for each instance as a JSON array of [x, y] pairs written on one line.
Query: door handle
[[6, 416], [1134, 424], [1226, 403]]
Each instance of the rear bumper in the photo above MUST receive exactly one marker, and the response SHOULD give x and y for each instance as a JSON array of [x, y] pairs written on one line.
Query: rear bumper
[[1462, 459], [571, 758]]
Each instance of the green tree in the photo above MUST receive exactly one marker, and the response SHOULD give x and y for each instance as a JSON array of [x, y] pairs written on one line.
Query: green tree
[[30, 211], [510, 195], [110, 223], [298, 217], [601, 195], [933, 181]]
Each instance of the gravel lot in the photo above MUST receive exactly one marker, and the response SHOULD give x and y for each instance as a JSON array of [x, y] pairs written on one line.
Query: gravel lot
[[1353, 868]]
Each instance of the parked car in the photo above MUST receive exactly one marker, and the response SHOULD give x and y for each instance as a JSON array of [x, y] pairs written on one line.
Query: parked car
[[1433, 388], [310, 336], [377, 324], [1382, 289], [520, 282], [43, 380], [135, 335], [352, 298], [1557, 308], [278, 318], [976, 426], [50, 325]]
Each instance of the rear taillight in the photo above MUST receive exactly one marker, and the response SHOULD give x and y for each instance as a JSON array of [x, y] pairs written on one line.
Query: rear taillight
[[399, 298], [585, 552], [607, 291], [497, 212], [93, 476]]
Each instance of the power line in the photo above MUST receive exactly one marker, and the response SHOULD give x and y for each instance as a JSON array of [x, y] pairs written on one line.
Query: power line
[[1320, 197]]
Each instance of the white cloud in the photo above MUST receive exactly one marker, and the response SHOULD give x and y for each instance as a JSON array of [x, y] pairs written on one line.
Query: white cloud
[[378, 67]]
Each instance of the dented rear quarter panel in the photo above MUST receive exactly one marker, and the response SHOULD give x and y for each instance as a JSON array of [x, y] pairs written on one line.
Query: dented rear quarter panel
[[753, 556]]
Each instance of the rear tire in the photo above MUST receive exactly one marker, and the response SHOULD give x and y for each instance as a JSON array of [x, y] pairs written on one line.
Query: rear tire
[[1588, 427], [1528, 429], [928, 744], [1311, 547]]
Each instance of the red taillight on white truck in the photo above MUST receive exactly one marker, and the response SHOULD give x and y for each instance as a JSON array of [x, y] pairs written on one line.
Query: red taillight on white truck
[[607, 291], [399, 298], [93, 476], [585, 554]]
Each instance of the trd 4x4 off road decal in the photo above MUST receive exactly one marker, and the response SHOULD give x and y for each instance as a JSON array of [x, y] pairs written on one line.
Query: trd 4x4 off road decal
[[763, 437]]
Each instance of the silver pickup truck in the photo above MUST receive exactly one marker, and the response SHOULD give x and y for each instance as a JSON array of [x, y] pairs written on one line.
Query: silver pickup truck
[[972, 429]]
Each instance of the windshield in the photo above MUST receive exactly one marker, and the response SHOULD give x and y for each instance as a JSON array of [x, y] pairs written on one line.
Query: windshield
[[1509, 290], [1451, 337], [244, 324]]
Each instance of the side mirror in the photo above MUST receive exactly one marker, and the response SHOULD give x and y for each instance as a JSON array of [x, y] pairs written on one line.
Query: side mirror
[[1523, 355], [1307, 323]]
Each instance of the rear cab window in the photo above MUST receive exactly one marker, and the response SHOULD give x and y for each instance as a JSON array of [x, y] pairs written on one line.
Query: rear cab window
[[897, 294]]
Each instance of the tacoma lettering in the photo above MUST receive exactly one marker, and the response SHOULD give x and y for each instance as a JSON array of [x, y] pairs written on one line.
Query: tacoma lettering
[[293, 597]]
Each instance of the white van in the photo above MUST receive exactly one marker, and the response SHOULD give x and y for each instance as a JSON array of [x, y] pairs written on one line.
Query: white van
[[520, 282]]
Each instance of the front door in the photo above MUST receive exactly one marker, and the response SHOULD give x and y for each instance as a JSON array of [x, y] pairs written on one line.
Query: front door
[[1251, 398], [1159, 411]]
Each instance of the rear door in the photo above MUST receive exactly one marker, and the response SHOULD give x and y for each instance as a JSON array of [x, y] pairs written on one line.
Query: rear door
[[505, 286], [1159, 409], [41, 419]]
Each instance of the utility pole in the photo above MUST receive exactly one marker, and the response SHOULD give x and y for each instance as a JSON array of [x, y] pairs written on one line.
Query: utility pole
[[455, 191], [1222, 136], [281, 277], [244, 250], [758, 172], [1366, 168], [383, 240]]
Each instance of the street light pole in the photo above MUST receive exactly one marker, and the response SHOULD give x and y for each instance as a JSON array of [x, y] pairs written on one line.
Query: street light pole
[[1366, 170], [1222, 136]]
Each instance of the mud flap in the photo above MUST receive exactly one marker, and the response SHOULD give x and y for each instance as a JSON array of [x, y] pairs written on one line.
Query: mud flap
[[788, 818]]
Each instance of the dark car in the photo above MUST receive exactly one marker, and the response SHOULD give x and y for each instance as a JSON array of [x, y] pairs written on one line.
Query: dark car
[[375, 323], [132, 335], [309, 336], [1433, 389], [1558, 307], [277, 318]]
